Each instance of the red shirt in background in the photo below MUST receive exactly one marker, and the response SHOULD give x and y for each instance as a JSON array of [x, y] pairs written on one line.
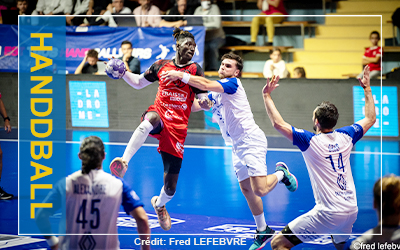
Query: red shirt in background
[[374, 52], [272, 9]]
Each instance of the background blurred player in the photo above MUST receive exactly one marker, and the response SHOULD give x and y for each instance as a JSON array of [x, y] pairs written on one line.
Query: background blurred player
[[166, 120], [235, 119], [7, 127], [387, 204], [92, 198], [327, 156]]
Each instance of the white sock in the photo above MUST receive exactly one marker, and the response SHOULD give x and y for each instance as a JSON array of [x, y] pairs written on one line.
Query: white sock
[[279, 174], [260, 222], [163, 198], [137, 140]]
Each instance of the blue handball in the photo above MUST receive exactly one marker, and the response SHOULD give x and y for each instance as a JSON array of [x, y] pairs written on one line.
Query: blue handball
[[115, 69]]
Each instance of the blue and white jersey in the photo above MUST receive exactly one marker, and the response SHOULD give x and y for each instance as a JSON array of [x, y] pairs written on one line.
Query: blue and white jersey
[[92, 205], [327, 156], [232, 111]]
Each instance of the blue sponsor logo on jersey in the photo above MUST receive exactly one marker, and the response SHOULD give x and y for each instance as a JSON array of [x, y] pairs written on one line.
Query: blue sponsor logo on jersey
[[333, 148], [356, 128]]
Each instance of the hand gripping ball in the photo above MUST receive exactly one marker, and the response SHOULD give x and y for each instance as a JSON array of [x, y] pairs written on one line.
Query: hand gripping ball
[[115, 69]]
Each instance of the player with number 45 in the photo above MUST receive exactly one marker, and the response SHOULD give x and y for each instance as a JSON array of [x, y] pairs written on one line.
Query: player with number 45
[[327, 157]]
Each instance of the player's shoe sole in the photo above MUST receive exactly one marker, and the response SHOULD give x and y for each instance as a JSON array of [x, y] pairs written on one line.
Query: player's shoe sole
[[118, 167], [289, 179], [162, 214]]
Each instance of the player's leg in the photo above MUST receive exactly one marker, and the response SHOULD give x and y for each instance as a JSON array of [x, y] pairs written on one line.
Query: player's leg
[[262, 185], [172, 166], [252, 152], [3, 194], [263, 232], [306, 227], [339, 241], [285, 240], [151, 123]]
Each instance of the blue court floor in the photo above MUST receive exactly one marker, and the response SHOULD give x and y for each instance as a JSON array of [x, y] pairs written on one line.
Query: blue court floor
[[208, 210]]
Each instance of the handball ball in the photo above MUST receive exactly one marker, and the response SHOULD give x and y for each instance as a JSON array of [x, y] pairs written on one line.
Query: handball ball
[[115, 69]]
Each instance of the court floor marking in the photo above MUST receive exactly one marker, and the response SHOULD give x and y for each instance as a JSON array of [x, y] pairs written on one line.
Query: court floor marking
[[218, 147]]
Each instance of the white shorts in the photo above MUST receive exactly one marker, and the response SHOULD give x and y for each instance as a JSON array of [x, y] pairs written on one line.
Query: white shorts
[[320, 222], [249, 156]]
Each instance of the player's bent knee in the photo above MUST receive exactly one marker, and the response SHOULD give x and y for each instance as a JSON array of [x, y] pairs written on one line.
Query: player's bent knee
[[153, 118], [278, 242], [275, 242], [246, 190], [261, 192]]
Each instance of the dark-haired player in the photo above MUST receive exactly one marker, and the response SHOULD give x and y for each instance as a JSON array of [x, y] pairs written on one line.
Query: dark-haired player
[[249, 145], [92, 199], [327, 157], [167, 119]]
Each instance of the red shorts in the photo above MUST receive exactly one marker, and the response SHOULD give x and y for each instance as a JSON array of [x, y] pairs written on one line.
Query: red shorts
[[172, 140]]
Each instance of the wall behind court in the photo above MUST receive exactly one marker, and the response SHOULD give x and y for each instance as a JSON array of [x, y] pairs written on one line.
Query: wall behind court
[[295, 99]]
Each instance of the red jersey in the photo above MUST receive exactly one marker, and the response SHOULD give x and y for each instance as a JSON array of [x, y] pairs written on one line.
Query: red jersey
[[173, 103], [272, 9], [374, 52]]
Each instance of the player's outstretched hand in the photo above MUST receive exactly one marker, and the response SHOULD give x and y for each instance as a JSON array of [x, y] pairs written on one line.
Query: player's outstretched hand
[[206, 103], [364, 82], [170, 76], [7, 126], [271, 85]]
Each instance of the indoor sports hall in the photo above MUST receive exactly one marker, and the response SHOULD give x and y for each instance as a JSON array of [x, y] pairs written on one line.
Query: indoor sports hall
[[208, 211]]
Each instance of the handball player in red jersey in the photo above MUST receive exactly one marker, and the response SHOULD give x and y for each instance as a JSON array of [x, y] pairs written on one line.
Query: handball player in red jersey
[[167, 119]]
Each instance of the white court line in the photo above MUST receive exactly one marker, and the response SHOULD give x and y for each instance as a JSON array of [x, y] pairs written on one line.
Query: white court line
[[217, 147]]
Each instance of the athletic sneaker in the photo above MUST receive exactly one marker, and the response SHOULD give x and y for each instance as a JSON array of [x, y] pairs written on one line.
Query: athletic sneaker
[[4, 195], [262, 238], [288, 179], [118, 167], [163, 217]]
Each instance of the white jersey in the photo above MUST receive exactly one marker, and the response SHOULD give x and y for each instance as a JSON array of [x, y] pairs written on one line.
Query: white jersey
[[327, 156], [232, 111], [92, 205]]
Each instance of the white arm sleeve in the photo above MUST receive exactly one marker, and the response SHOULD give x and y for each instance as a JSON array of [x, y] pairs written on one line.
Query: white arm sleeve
[[135, 80]]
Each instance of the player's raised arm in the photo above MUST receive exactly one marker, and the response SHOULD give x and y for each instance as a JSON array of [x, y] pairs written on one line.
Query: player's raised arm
[[142, 226], [194, 81], [370, 116], [116, 69], [276, 119], [136, 81], [202, 103]]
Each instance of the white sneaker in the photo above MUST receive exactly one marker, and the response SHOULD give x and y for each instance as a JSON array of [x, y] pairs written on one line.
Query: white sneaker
[[163, 217]]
